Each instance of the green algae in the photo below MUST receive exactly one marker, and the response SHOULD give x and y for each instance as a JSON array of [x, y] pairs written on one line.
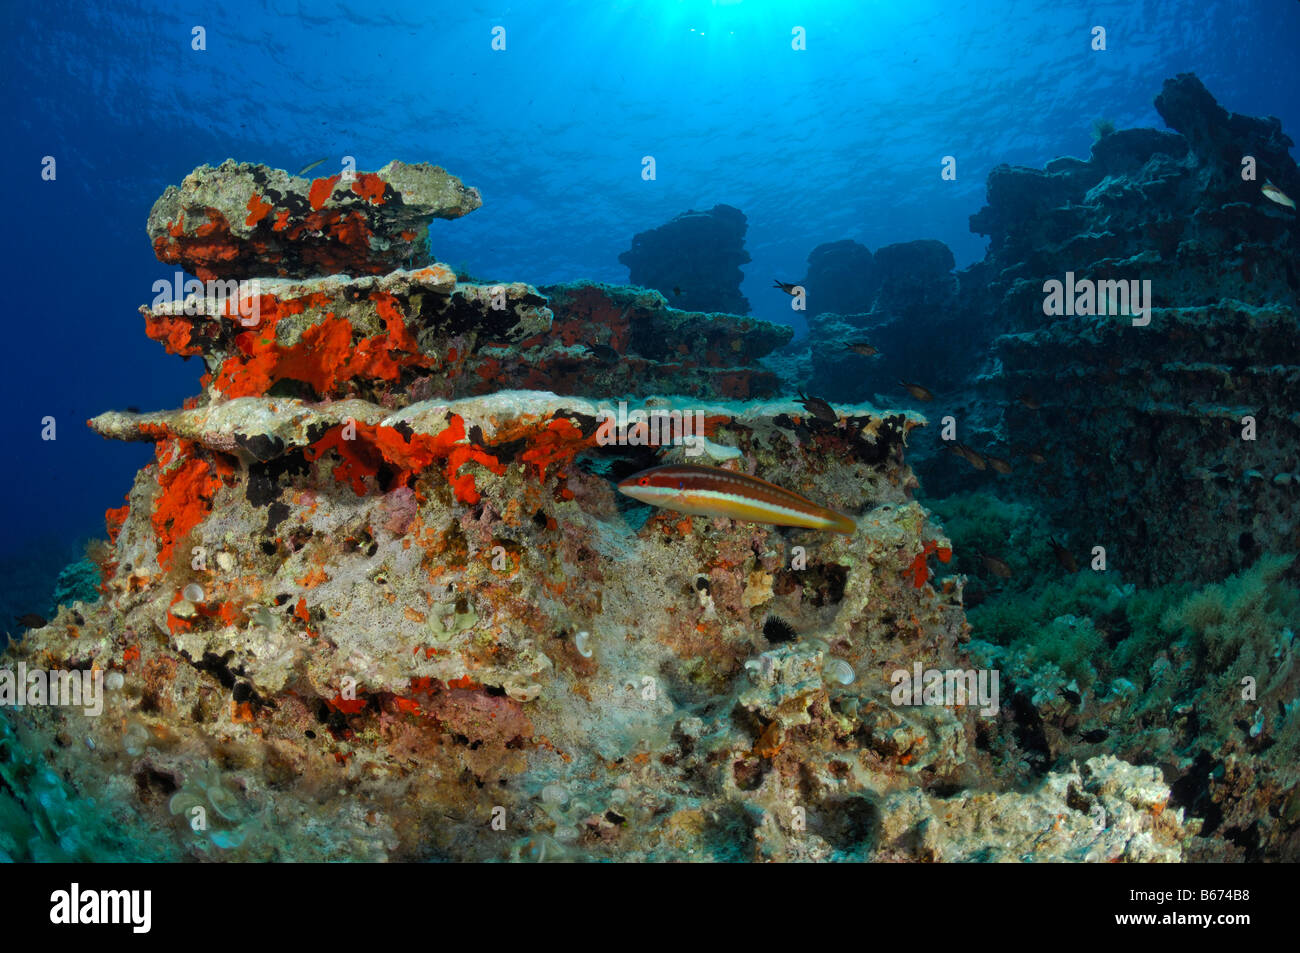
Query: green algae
[[43, 819], [1238, 621], [1092, 622]]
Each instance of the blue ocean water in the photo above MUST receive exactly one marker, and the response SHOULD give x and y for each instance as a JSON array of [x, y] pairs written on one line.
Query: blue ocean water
[[840, 140]]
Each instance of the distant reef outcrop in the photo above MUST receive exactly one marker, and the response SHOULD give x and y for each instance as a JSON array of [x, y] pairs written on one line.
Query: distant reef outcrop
[[1174, 442], [894, 300], [694, 260]]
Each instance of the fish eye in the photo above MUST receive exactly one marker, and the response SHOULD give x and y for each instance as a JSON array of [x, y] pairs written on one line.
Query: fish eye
[[644, 481]]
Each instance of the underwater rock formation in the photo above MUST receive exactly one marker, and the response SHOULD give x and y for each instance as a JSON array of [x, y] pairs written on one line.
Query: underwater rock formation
[[913, 278], [436, 618], [1108, 811], [240, 220], [1182, 432], [1200, 683], [340, 621], [379, 599], [434, 624], [1095, 431], [694, 260], [907, 295], [410, 335], [840, 279]]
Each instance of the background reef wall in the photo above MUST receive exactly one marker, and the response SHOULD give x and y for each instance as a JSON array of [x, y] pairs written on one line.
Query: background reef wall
[[1173, 444], [1161, 460]]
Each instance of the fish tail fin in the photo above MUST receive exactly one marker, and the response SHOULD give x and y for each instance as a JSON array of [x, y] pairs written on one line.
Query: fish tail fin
[[844, 524]]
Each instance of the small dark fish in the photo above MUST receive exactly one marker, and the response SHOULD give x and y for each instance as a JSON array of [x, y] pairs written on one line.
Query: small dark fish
[[1029, 400], [998, 464], [32, 621], [996, 566], [677, 291], [917, 391], [132, 409], [776, 629], [819, 409], [1064, 557], [603, 353], [787, 288], [966, 453], [863, 348], [307, 168], [1035, 455], [1094, 736], [1074, 698]]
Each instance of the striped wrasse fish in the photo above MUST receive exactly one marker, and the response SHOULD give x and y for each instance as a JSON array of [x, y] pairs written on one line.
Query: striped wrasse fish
[[712, 491]]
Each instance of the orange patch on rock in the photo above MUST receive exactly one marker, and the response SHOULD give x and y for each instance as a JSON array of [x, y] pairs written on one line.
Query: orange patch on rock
[[313, 579], [406, 705], [241, 711], [557, 444], [323, 357], [175, 623], [398, 333], [918, 569], [186, 498], [370, 187], [316, 357], [258, 209], [320, 191], [460, 454], [224, 464], [216, 223], [489, 370], [373, 445], [113, 520], [735, 385], [154, 431], [172, 332], [349, 706], [210, 245]]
